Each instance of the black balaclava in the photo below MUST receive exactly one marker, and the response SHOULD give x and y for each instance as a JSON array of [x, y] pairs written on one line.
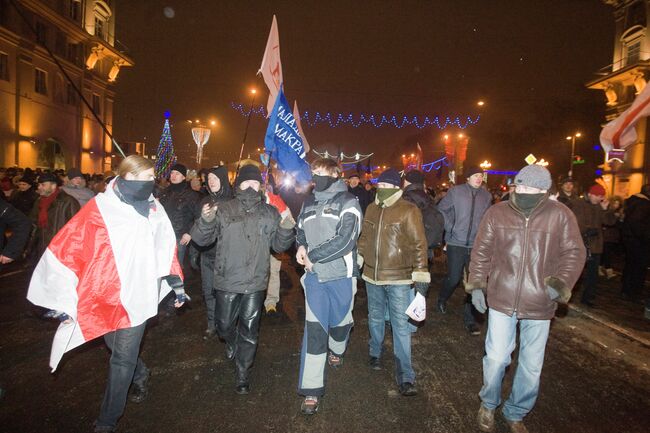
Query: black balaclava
[[321, 183], [136, 193]]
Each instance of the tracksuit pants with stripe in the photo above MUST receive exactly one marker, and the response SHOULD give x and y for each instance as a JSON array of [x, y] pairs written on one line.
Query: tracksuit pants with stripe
[[328, 321]]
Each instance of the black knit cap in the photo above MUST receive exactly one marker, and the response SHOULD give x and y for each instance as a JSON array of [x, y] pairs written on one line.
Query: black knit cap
[[248, 172], [472, 170], [48, 177], [415, 176], [74, 172], [180, 168], [390, 176]]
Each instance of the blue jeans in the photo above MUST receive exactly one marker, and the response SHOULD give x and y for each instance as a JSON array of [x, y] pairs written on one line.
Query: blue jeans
[[125, 368], [398, 301], [499, 345]]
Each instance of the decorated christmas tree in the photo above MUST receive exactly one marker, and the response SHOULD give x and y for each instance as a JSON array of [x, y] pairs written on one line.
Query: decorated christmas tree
[[165, 156]]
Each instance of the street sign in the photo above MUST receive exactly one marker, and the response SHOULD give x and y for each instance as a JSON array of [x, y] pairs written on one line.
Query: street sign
[[530, 159]]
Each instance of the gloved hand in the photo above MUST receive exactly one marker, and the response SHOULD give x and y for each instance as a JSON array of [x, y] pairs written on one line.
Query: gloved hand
[[287, 222], [421, 288], [209, 212], [478, 300], [552, 293]]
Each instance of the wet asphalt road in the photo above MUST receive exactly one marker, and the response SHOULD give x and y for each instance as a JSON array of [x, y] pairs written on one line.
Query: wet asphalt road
[[594, 380]]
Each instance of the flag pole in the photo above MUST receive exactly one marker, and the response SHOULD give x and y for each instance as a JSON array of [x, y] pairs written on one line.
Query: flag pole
[[248, 122]]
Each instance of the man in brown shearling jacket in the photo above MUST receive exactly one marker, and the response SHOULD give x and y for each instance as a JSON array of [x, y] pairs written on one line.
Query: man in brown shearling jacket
[[527, 256], [393, 246]]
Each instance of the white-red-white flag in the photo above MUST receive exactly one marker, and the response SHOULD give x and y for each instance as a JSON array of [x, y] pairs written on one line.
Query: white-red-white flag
[[621, 132], [271, 68], [296, 115], [92, 272]]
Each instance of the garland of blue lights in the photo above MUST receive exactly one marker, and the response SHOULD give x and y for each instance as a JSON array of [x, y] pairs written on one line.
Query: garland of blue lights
[[426, 168], [376, 120]]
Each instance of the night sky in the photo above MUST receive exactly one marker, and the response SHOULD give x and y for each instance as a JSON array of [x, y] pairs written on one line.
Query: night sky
[[528, 60]]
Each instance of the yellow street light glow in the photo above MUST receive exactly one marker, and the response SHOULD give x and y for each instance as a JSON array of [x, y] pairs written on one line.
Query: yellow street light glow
[[213, 122], [253, 91], [480, 103], [578, 134], [446, 137], [196, 121], [189, 121], [403, 155], [569, 138], [412, 155], [460, 135]]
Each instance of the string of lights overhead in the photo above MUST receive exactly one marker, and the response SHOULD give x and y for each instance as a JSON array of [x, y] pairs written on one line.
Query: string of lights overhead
[[335, 120], [353, 159]]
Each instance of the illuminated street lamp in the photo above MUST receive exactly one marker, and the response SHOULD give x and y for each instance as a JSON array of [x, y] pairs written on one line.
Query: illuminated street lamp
[[572, 138], [542, 162], [485, 166], [480, 103]]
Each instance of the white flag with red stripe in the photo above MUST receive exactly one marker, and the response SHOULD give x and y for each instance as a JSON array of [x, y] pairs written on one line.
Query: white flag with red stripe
[[102, 269], [271, 68], [621, 132]]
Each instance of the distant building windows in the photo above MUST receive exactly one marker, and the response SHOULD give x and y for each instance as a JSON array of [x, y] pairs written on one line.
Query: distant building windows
[[72, 53], [96, 104], [74, 12], [41, 33], [102, 15], [40, 81], [4, 67], [633, 52], [71, 95], [99, 28]]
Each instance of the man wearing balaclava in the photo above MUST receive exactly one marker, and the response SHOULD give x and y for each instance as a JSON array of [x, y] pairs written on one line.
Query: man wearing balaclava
[[527, 256], [393, 248], [328, 228], [245, 229]]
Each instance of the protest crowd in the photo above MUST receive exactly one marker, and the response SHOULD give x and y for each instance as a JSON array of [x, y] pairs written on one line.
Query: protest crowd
[[108, 252]]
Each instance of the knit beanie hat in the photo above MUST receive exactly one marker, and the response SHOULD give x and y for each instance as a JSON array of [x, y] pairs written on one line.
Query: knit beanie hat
[[248, 172], [535, 176], [74, 172], [180, 168], [48, 177], [415, 176], [598, 190], [390, 176], [472, 170]]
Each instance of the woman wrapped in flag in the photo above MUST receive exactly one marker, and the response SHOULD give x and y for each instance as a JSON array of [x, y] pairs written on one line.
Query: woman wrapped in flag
[[104, 274]]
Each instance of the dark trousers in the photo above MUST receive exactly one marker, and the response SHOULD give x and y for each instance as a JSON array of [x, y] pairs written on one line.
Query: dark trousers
[[457, 261], [610, 250], [207, 280], [591, 278], [125, 368], [238, 323], [637, 258]]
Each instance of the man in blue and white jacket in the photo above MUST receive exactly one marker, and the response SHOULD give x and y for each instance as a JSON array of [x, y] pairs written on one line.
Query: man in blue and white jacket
[[327, 232]]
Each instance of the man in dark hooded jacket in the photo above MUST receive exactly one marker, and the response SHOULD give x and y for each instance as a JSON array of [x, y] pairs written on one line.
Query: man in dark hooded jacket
[[636, 238], [219, 191], [245, 229]]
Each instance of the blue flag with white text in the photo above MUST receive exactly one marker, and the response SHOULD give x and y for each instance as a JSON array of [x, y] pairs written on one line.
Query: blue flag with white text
[[284, 143]]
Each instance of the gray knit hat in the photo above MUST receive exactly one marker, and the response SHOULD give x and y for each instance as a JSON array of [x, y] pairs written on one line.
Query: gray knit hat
[[535, 176]]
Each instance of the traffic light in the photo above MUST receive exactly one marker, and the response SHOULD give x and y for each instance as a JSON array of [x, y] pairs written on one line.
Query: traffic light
[[577, 160]]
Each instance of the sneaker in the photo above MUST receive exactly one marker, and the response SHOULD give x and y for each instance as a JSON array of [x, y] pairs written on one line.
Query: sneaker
[[610, 273], [209, 334], [517, 426], [473, 329], [309, 405], [271, 309], [407, 389], [485, 419], [139, 392], [374, 363], [334, 361]]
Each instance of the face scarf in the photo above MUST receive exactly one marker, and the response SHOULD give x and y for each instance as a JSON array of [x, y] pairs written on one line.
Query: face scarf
[[136, 193], [527, 202], [321, 183], [384, 194]]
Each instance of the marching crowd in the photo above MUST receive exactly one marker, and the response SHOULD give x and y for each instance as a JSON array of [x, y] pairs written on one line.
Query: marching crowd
[[107, 250]]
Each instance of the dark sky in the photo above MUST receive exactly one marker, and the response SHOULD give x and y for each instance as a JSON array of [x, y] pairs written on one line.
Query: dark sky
[[529, 60]]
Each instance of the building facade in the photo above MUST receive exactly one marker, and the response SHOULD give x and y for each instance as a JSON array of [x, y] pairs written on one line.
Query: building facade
[[621, 81], [43, 120]]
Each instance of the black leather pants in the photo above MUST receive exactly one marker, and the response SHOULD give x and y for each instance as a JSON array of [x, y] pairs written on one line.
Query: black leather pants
[[238, 323]]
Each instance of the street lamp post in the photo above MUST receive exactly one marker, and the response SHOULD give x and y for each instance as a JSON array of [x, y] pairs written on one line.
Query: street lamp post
[[485, 166], [572, 138]]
